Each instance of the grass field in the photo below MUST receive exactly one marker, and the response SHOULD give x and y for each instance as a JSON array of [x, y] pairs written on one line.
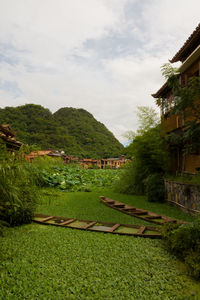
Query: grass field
[[46, 262]]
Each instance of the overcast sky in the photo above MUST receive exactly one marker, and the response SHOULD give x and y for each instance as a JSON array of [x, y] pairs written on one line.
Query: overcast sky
[[100, 55]]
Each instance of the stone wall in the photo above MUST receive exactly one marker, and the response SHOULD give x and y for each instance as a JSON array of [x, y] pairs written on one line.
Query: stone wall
[[184, 195]]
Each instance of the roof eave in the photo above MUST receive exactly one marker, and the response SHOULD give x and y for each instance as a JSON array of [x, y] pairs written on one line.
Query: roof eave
[[162, 91], [181, 55]]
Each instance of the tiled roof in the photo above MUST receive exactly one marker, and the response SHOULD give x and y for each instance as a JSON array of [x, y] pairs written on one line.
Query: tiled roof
[[189, 46], [163, 90]]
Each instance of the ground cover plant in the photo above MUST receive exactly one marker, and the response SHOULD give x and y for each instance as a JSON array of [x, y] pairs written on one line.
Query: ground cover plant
[[81, 205], [46, 262], [88, 265], [88, 206]]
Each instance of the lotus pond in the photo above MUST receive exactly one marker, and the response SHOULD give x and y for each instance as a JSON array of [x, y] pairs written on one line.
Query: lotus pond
[[77, 178]]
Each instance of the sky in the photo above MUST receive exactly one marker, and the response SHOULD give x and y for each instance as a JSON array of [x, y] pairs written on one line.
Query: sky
[[100, 55]]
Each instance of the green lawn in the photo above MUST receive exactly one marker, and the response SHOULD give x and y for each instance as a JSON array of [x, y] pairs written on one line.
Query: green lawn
[[47, 262]]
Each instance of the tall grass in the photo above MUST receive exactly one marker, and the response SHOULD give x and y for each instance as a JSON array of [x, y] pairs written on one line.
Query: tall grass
[[17, 189]]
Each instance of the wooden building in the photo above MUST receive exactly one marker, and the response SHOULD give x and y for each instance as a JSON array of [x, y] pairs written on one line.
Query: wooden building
[[112, 163], [51, 153], [88, 163], [104, 163], [189, 56]]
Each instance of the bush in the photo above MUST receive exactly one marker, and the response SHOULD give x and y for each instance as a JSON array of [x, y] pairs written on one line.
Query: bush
[[17, 189], [184, 242], [150, 156], [192, 260], [131, 179], [155, 189]]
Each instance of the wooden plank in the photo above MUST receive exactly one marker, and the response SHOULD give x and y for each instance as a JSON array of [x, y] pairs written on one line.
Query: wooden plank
[[139, 213], [169, 221], [114, 227], [109, 201], [67, 222], [141, 230], [154, 217], [120, 205], [46, 219], [89, 225], [110, 227], [129, 207]]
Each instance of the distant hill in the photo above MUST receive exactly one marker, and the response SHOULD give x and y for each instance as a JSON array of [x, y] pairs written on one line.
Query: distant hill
[[75, 131]]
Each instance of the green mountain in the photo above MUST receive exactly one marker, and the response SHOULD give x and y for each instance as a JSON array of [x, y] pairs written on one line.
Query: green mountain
[[75, 131]]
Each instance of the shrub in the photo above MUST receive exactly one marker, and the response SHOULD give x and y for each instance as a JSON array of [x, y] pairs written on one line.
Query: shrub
[[192, 260], [184, 242], [131, 179], [150, 156], [17, 189], [155, 189]]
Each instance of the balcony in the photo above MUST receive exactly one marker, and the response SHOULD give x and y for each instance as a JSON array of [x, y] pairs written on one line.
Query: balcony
[[171, 122]]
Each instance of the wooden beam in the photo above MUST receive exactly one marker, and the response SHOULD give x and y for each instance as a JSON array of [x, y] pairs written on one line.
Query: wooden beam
[[141, 230], [89, 225], [114, 227], [46, 219], [67, 222]]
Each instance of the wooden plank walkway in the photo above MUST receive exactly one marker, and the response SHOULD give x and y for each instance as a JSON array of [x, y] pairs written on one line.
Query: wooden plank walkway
[[139, 213], [98, 226]]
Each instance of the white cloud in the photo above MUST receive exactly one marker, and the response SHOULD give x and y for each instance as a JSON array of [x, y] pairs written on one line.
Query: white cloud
[[168, 23], [45, 54]]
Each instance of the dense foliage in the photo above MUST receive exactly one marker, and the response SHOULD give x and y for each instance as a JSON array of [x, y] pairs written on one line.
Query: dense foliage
[[184, 241], [75, 131], [92, 137], [155, 189], [75, 178], [149, 157], [17, 189]]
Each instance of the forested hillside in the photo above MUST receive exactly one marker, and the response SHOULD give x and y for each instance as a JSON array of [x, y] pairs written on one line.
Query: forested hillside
[[75, 131]]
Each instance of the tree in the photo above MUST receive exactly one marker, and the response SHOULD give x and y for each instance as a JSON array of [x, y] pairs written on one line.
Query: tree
[[148, 151], [147, 118]]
